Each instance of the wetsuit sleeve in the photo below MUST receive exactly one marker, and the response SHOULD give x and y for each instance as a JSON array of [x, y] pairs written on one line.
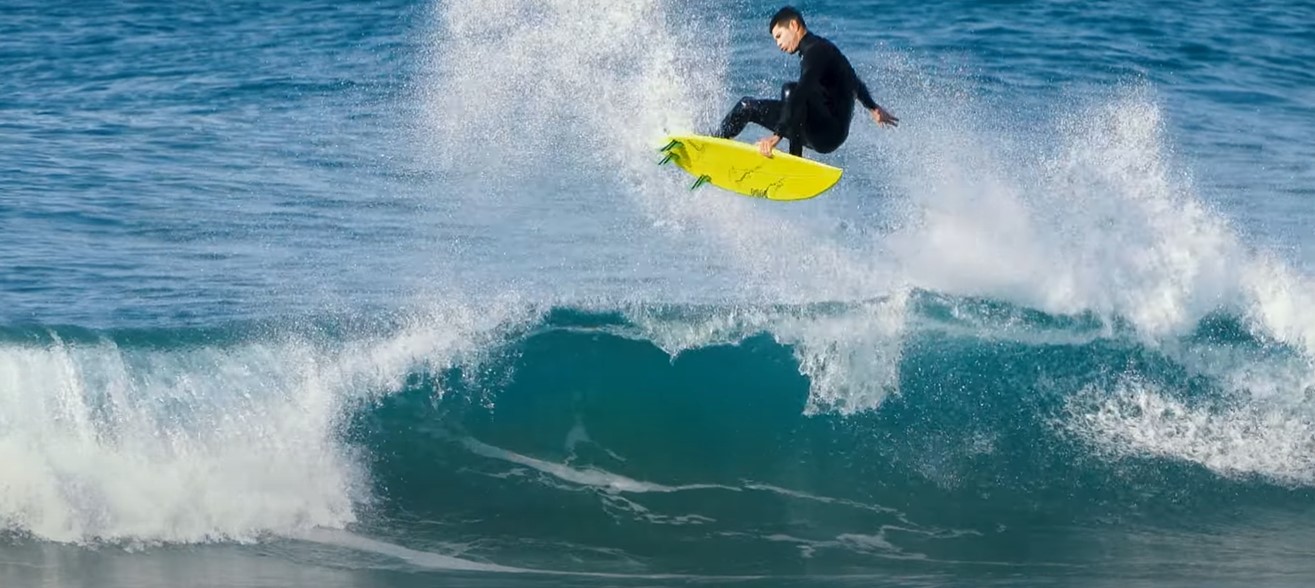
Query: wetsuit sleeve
[[810, 76], [861, 91]]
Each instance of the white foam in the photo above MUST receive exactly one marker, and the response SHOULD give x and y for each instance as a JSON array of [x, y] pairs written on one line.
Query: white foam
[[1112, 225], [202, 442], [104, 443], [1280, 301], [851, 355], [586, 476], [421, 559], [542, 78], [1090, 214], [1243, 438], [870, 545], [432, 560], [1094, 212]]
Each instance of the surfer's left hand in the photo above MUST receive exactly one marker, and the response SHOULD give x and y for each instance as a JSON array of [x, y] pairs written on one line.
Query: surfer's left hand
[[766, 144], [880, 116]]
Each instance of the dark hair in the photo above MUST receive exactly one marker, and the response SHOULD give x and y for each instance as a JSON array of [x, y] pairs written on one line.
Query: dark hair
[[784, 16]]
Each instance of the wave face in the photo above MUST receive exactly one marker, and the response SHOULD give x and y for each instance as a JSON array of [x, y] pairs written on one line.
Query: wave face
[[702, 440]]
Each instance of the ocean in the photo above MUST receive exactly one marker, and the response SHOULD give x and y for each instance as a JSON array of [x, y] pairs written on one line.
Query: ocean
[[394, 294]]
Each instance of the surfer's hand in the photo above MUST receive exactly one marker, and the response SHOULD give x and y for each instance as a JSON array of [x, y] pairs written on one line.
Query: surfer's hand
[[880, 116], [766, 144]]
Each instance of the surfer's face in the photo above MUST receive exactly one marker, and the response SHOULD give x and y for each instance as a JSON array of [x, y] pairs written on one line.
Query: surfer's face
[[787, 36]]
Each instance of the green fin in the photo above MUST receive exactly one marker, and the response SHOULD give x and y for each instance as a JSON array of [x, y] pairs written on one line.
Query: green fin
[[672, 145], [667, 159], [701, 181]]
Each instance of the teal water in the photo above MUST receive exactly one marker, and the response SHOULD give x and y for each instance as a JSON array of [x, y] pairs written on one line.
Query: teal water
[[393, 294]]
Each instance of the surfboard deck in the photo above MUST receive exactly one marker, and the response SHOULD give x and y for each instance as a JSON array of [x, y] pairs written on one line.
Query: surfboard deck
[[740, 168]]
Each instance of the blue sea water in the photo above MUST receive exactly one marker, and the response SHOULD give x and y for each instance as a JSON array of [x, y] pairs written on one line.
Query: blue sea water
[[393, 294]]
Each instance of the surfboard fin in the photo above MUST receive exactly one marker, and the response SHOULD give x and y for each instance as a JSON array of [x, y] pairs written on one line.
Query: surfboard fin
[[667, 159], [672, 145], [701, 181]]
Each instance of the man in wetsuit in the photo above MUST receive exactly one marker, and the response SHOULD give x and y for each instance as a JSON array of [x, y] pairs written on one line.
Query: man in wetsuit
[[814, 111]]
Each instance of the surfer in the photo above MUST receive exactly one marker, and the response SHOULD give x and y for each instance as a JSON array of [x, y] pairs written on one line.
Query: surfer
[[814, 111]]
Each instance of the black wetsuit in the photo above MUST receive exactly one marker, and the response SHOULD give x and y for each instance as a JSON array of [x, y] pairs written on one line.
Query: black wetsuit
[[816, 110]]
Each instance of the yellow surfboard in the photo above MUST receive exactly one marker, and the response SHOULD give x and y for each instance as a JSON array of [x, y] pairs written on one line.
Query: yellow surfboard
[[740, 168]]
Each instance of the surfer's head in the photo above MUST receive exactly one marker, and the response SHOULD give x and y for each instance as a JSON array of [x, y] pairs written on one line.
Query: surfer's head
[[787, 27]]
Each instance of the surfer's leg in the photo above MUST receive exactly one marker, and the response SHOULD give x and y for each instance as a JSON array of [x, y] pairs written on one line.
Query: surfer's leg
[[749, 110], [765, 113], [794, 135], [824, 133]]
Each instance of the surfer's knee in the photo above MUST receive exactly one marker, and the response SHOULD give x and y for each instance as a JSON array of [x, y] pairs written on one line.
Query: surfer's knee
[[826, 145], [745, 103], [786, 89]]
